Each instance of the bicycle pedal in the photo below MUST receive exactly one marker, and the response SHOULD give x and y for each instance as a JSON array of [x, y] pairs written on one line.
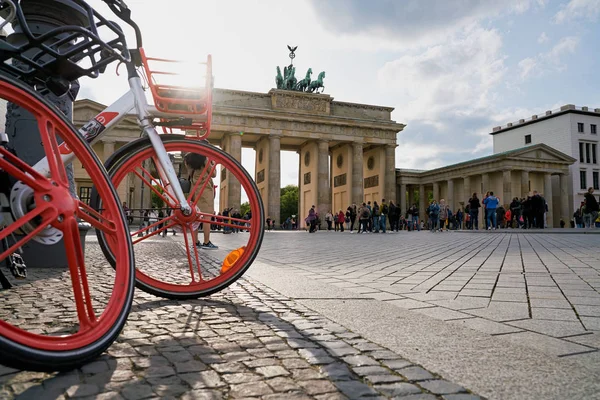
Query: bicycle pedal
[[17, 266]]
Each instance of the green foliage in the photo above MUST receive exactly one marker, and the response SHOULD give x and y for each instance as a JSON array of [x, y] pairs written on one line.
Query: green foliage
[[156, 200], [289, 202], [244, 208]]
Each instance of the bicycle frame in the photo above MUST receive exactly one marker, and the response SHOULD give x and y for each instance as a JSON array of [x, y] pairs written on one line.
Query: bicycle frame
[[132, 101]]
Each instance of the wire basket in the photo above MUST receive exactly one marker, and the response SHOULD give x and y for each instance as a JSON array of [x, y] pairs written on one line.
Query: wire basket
[[174, 95], [68, 52]]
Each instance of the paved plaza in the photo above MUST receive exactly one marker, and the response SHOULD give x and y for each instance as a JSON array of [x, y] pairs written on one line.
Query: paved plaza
[[329, 315]]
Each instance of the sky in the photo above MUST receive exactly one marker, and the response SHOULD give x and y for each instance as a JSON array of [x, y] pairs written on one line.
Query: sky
[[452, 69]]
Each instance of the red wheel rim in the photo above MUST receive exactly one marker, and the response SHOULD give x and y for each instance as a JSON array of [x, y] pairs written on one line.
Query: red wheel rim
[[191, 145], [92, 327]]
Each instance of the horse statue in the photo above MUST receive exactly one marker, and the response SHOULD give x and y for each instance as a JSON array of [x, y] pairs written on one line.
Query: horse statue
[[315, 85], [279, 79], [289, 81], [303, 84]]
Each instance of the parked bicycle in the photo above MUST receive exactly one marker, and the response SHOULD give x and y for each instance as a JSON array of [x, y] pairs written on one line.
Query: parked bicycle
[[37, 204]]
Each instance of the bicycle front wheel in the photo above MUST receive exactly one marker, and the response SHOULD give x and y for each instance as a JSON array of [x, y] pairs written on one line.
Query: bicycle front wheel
[[168, 262], [64, 315]]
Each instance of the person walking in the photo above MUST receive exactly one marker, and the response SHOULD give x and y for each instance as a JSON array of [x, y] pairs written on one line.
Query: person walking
[[591, 209], [195, 164], [474, 206], [392, 214], [383, 215], [434, 215], [364, 217], [443, 215], [341, 218], [311, 220], [375, 216], [414, 220], [491, 203], [329, 220]]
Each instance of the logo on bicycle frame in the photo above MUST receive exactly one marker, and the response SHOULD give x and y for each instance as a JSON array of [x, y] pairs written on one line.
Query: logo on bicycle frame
[[92, 129]]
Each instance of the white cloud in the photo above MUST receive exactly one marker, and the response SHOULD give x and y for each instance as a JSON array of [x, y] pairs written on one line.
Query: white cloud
[[456, 76], [589, 9], [551, 60], [543, 38], [526, 67], [412, 23]]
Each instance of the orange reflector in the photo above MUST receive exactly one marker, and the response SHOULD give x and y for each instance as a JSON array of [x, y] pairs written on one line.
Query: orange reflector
[[231, 259]]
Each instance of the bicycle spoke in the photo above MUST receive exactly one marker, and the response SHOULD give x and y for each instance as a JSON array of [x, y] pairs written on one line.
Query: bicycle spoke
[[153, 233], [22, 171], [91, 216], [163, 178], [189, 255], [151, 186], [203, 177], [9, 230], [225, 221], [76, 261], [55, 163]]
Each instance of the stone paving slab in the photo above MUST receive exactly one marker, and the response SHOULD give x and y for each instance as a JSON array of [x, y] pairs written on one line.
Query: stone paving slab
[[245, 342], [521, 284]]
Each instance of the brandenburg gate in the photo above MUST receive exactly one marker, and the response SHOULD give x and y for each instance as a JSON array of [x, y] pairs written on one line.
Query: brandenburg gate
[[346, 150]]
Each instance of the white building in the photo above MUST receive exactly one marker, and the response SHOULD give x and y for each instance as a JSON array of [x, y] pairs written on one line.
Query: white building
[[571, 130]]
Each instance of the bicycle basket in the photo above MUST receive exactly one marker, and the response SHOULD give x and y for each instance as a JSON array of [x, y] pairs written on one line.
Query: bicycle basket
[[69, 51], [174, 95]]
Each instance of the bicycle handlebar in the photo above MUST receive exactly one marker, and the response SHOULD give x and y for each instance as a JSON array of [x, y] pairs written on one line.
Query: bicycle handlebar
[[120, 9]]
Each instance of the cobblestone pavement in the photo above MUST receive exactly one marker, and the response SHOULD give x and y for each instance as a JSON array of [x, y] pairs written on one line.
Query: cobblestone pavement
[[538, 290], [248, 341]]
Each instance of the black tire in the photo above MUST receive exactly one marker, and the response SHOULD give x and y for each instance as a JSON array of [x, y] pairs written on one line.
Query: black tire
[[17, 355], [121, 156]]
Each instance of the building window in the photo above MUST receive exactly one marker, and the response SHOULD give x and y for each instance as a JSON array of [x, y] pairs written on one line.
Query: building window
[[527, 139], [580, 127], [582, 179], [581, 159], [596, 180], [593, 128], [594, 159], [587, 153], [85, 193]]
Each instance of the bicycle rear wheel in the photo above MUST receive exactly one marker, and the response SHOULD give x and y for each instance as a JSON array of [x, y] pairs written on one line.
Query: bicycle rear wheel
[[172, 267], [59, 318]]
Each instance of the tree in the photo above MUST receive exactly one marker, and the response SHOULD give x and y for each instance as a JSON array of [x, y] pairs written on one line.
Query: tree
[[289, 202], [156, 200], [244, 208]]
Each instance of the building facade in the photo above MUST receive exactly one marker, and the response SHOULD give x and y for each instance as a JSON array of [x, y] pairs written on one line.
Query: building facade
[[571, 130], [510, 174]]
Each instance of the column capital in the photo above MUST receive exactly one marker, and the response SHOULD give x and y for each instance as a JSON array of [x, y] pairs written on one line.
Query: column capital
[[392, 145], [275, 135], [108, 141]]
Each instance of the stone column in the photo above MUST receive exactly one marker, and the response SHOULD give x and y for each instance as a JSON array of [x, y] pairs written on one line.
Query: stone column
[[234, 188], [402, 204], [357, 174], [467, 192], [485, 182], [390, 173], [450, 196], [421, 202], [548, 196], [324, 193], [411, 195], [436, 191], [565, 212], [524, 183], [274, 206], [109, 148], [506, 187]]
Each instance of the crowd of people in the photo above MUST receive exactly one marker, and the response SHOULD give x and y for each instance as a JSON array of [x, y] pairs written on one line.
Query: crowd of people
[[529, 212]]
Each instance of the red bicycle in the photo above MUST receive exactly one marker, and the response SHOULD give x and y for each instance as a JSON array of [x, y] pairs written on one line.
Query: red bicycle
[[78, 318]]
